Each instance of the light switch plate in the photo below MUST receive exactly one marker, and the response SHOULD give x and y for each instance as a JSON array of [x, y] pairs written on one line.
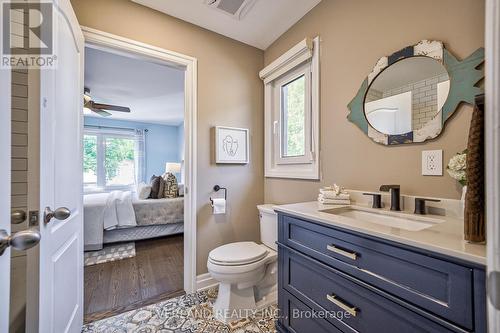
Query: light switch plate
[[432, 162]]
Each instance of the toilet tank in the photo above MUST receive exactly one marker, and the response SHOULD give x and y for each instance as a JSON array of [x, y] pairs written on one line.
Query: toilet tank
[[268, 226]]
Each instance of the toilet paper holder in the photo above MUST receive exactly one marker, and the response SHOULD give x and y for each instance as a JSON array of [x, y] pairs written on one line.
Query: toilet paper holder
[[217, 188]]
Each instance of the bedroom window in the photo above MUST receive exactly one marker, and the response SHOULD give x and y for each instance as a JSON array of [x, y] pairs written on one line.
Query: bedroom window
[[90, 160], [119, 162], [291, 109], [111, 159]]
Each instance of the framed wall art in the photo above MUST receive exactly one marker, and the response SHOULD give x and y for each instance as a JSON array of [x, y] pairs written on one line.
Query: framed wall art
[[231, 145]]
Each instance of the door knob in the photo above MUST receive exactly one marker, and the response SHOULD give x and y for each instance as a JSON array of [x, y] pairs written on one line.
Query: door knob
[[17, 216], [61, 213], [21, 240]]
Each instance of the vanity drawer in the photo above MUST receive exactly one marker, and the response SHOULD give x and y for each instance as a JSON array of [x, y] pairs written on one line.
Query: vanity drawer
[[438, 286], [296, 317], [355, 308]]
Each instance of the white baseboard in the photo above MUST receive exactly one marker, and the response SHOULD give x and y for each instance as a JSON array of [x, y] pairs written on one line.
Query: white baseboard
[[205, 281]]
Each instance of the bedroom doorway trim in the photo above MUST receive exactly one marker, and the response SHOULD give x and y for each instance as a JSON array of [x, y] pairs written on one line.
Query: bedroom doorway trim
[[106, 41]]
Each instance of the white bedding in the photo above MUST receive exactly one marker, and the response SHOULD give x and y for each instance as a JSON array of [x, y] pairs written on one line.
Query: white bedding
[[118, 211], [93, 212], [107, 212]]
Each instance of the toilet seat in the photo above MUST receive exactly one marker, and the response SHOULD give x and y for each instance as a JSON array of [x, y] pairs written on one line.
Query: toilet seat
[[238, 254], [239, 258], [216, 268]]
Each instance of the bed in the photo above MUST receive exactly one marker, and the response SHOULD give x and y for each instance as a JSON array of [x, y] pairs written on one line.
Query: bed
[[153, 217]]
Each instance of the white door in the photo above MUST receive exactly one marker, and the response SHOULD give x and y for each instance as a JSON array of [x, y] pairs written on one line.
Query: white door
[[5, 194], [492, 140], [61, 247]]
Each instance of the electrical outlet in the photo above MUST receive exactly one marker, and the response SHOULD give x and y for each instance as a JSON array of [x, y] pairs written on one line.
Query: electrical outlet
[[432, 162]]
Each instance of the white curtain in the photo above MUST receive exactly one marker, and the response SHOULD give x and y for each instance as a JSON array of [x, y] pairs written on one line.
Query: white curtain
[[140, 161]]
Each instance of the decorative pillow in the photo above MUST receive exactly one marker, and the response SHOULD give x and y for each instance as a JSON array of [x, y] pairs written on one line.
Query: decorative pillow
[[161, 189], [155, 181], [171, 189], [143, 191]]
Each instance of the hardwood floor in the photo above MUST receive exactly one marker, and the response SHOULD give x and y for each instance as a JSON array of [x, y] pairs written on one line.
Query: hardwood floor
[[154, 274]]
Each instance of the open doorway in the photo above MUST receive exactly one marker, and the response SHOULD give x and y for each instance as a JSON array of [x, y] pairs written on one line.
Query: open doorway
[[133, 181]]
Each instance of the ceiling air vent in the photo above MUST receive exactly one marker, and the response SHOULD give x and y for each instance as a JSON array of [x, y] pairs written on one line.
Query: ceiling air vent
[[234, 8]]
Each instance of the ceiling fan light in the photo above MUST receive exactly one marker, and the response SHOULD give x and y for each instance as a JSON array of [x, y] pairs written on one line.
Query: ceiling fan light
[[86, 100]]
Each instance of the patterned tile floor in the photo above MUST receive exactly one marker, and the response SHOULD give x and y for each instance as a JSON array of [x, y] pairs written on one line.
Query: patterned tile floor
[[185, 314]]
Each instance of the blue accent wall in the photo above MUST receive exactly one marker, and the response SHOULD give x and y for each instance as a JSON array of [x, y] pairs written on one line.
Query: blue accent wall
[[163, 143], [180, 139]]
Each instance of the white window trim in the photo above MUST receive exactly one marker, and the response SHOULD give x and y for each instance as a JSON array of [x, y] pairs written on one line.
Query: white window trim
[[306, 51]]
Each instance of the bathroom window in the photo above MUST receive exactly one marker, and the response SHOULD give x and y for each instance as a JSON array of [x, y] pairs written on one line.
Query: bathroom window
[[292, 119], [292, 113]]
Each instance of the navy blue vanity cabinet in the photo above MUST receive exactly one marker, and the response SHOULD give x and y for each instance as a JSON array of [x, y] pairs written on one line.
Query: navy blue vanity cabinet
[[297, 317], [384, 286]]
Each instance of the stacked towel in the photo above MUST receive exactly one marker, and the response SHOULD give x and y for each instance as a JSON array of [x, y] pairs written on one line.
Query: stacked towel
[[334, 195]]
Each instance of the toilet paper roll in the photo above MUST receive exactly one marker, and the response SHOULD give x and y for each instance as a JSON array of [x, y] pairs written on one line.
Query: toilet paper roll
[[219, 206]]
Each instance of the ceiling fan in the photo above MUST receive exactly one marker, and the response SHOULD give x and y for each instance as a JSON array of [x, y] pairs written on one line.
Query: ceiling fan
[[100, 108]]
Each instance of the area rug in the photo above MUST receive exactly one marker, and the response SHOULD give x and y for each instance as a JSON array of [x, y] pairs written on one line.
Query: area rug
[[189, 313], [110, 253]]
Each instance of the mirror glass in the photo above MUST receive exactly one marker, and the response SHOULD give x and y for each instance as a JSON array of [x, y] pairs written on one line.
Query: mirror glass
[[407, 95]]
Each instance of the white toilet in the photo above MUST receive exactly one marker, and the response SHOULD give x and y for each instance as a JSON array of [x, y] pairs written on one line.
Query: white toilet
[[246, 271]]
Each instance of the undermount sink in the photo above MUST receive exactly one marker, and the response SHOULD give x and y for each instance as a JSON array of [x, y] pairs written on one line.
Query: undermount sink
[[399, 220]]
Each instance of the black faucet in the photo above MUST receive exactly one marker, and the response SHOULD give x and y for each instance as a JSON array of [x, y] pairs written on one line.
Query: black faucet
[[377, 199], [420, 205], [395, 190]]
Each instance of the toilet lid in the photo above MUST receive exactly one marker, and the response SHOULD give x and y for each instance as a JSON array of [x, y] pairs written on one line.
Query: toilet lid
[[238, 253]]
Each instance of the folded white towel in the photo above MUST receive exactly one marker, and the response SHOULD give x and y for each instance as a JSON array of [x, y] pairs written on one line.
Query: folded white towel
[[334, 202], [327, 201], [335, 188], [332, 195]]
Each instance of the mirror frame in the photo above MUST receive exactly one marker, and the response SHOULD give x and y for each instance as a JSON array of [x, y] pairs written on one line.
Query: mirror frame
[[463, 75]]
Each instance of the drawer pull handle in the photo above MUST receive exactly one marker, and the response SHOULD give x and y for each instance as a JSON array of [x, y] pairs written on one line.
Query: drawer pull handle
[[349, 309], [350, 255]]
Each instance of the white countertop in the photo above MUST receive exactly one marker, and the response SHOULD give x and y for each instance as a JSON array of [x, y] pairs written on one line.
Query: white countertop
[[445, 238]]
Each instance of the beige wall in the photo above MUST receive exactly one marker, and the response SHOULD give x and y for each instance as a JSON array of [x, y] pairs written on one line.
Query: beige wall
[[354, 35], [229, 93]]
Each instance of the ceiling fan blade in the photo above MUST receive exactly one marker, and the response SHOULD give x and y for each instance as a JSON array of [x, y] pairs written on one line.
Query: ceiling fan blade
[[110, 107], [101, 112]]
